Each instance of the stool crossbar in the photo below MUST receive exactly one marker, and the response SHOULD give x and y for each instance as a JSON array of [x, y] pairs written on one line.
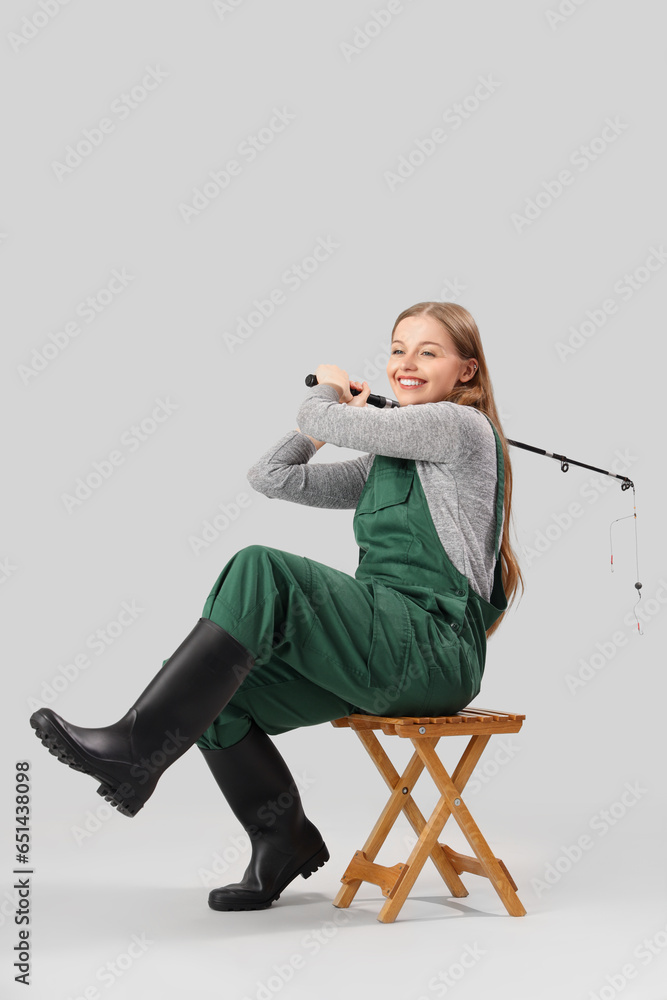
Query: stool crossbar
[[424, 733]]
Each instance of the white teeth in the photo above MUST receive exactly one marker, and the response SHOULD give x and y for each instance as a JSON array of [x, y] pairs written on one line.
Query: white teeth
[[411, 381]]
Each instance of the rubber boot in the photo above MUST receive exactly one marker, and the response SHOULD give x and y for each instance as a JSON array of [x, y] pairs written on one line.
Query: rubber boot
[[181, 701], [257, 784]]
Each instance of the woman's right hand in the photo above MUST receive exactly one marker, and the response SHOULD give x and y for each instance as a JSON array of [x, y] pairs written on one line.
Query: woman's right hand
[[364, 393]]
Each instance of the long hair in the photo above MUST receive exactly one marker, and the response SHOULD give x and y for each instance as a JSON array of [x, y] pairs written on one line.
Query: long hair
[[477, 392]]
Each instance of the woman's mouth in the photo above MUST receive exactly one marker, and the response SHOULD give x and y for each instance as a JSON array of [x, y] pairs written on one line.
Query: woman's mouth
[[410, 383]]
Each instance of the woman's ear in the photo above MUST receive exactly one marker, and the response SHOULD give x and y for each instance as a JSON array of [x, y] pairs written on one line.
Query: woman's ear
[[469, 371]]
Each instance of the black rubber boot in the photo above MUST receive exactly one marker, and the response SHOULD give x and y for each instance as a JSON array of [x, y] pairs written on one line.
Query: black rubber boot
[[263, 796], [181, 701]]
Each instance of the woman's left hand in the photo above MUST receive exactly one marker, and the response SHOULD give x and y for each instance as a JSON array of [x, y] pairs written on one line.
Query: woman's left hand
[[337, 377]]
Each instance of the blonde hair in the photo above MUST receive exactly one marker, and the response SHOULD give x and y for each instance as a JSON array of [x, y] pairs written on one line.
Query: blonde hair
[[477, 392]]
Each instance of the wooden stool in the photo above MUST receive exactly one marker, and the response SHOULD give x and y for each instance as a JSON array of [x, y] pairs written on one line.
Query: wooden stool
[[424, 734]]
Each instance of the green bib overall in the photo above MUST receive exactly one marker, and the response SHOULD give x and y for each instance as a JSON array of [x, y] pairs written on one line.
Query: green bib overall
[[405, 636], [400, 547]]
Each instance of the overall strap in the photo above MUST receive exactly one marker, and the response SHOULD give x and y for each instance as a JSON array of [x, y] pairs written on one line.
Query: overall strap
[[500, 464]]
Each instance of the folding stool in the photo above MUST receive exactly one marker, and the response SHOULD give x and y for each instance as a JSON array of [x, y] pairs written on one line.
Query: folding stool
[[424, 734]]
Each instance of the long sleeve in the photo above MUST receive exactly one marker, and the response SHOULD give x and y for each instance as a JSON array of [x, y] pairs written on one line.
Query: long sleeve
[[431, 432], [283, 473]]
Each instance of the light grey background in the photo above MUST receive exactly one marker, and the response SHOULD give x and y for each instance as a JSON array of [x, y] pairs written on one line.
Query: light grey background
[[446, 232]]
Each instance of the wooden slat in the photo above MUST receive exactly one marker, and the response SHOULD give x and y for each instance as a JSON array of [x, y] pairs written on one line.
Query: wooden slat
[[506, 715], [361, 869], [468, 717], [465, 728], [465, 863]]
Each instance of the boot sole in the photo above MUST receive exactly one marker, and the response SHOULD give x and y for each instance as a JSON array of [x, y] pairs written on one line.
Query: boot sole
[[305, 871], [115, 792]]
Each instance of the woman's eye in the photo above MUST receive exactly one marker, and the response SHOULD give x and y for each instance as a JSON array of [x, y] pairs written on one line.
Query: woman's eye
[[424, 352]]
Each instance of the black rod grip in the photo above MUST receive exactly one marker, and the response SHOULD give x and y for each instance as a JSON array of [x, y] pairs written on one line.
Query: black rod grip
[[373, 398]]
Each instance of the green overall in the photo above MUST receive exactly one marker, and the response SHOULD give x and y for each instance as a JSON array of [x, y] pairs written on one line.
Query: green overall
[[405, 636]]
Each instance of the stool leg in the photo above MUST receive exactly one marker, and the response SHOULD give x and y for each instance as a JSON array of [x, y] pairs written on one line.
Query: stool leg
[[398, 801], [420, 852], [387, 817], [471, 831], [408, 780]]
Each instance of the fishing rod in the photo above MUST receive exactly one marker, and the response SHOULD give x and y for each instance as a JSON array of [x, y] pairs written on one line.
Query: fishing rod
[[384, 402]]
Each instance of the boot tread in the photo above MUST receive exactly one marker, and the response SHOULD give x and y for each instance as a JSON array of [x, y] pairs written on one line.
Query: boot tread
[[110, 790], [222, 899]]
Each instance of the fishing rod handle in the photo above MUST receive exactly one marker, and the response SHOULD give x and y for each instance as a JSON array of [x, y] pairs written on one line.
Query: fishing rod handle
[[374, 399]]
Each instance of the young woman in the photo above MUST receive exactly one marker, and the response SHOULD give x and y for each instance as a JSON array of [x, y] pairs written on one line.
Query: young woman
[[285, 641]]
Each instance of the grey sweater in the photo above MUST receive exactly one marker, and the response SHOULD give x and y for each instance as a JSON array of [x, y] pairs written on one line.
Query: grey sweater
[[454, 450]]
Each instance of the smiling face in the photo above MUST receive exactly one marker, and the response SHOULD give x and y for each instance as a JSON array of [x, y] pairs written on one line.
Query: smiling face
[[422, 349]]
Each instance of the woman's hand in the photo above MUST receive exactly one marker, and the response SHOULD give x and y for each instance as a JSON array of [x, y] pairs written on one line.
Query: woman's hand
[[327, 373], [333, 375], [364, 392], [338, 377]]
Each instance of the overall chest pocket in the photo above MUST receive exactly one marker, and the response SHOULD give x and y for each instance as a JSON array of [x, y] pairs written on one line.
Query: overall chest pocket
[[380, 523], [385, 488]]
